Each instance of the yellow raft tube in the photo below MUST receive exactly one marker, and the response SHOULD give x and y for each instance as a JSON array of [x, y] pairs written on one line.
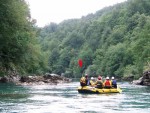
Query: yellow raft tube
[[93, 90]]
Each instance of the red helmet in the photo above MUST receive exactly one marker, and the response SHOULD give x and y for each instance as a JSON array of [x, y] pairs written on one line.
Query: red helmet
[[99, 78]]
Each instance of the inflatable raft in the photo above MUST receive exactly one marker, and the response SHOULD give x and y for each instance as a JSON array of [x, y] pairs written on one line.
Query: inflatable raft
[[93, 90]]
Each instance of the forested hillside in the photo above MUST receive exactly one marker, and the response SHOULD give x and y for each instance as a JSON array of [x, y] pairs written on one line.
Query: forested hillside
[[19, 48], [113, 41]]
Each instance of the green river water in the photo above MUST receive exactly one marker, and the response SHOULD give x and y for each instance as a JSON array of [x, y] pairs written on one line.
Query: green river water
[[64, 98]]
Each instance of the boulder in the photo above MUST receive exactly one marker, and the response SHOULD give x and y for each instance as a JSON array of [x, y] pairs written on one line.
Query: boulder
[[11, 78], [32, 80], [139, 81], [144, 80], [4, 79]]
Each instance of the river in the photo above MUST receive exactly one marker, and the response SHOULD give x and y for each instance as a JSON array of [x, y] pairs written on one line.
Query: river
[[64, 98]]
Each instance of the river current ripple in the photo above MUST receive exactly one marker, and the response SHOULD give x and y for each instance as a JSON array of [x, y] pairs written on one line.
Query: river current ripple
[[64, 98]]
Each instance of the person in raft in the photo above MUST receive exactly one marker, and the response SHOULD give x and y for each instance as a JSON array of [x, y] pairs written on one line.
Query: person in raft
[[84, 80], [107, 83], [99, 83], [114, 82], [92, 83]]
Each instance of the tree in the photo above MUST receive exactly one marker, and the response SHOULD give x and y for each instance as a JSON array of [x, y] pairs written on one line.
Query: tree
[[141, 47], [18, 44], [14, 30], [109, 42]]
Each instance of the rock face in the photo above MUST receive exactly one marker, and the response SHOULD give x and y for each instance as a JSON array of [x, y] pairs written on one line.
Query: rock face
[[36, 80], [144, 80], [7, 79]]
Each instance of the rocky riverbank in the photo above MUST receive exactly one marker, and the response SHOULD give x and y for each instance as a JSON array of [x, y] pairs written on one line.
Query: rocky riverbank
[[35, 80], [144, 80]]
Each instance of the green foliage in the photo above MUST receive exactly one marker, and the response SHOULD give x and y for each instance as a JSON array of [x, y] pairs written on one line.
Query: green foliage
[[74, 40], [113, 41], [13, 23], [19, 49]]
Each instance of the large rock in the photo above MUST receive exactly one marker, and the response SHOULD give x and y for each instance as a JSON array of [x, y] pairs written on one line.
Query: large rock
[[35, 80], [139, 81], [46, 79], [144, 80], [4, 79], [10, 78]]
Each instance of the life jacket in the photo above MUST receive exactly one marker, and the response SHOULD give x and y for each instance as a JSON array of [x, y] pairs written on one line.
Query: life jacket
[[107, 83], [99, 84], [91, 83], [83, 81]]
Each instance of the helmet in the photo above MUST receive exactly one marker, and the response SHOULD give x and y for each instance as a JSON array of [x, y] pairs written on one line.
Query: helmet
[[92, 78], [112, 78], [99, 78], [86, 75], [107, 77]]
